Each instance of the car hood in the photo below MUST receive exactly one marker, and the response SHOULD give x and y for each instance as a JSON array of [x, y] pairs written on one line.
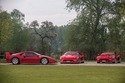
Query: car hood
[[68, 57], [103, 57]]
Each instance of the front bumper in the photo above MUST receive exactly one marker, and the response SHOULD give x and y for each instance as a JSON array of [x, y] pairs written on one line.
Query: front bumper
[[105, 60], [69, 61]]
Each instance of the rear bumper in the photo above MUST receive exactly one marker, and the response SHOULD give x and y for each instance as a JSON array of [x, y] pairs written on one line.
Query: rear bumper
[[106, 60], [69, 62]]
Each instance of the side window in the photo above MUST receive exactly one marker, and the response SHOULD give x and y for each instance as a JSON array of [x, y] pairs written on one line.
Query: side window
[[30, 54]]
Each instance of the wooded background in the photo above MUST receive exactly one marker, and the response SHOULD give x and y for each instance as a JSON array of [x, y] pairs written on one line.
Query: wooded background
[[98, 27]]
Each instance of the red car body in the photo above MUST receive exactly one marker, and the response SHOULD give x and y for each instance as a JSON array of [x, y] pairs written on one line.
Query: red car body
[[108, 57], [28, 57], [72, 58]]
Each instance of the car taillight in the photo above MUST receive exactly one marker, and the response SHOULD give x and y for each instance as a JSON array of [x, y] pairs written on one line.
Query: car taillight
[[60, 57], [77, 57], [111, 57], [98, 57]]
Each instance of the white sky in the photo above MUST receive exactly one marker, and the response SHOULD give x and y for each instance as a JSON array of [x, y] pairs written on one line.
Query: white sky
[[41, 10]]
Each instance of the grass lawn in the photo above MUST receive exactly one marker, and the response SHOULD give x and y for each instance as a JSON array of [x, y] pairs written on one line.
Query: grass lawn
[[60, 74]]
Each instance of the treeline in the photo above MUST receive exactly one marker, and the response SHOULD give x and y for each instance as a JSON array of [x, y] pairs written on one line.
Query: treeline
[[98, 27], [16, 35]]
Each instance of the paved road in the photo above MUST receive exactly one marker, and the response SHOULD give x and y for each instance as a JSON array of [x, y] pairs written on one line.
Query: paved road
[[93, 63], [87, 63]]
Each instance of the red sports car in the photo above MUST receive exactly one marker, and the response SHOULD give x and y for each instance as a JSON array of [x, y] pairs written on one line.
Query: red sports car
[[72, 57], [108, 57], [28, 57]]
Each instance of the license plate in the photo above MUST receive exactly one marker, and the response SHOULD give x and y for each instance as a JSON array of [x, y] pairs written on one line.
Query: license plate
[[67, 61], [103, 60]]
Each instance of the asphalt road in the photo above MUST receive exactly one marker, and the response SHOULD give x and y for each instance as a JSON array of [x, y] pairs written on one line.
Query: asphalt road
[[87, 63], [93, 63]]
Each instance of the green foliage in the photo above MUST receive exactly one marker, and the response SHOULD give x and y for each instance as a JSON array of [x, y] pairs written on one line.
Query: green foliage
[[46, 34], [97, 28], [87, 32], [17, 33], [120, 7], [6, 27], [19, 40], [17, 36], [61, 33], [17, 15]]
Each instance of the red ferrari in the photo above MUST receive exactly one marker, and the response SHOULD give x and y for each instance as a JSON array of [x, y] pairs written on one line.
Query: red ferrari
[[72, 57], [108, 57], [28, 57]]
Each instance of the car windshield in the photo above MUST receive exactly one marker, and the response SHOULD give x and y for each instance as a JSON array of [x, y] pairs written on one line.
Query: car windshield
[[37, 53], [30, 53], [71, 53]]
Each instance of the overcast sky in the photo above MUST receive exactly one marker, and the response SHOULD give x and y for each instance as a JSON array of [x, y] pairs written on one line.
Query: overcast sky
[[41, 10]]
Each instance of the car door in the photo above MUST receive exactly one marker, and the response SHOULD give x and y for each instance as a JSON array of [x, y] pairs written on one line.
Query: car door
[[30, 57]]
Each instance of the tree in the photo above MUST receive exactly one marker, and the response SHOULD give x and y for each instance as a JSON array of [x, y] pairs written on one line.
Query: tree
[[59, 42], [17, 16], [99, 26], [120, 7], [6, 27], [46, 33], [90, 25], [116, 27], [20, 38]]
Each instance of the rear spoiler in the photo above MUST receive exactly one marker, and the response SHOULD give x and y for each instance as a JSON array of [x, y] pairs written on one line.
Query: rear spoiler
[[8, 54]]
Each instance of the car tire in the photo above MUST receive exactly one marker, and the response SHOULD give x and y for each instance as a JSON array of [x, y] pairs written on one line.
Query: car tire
[[119, 61], [44, 61], [82, 62], [15, 61], [114, 61], [98, 62]]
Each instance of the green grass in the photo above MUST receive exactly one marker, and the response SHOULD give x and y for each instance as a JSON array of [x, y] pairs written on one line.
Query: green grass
[[60, 74]]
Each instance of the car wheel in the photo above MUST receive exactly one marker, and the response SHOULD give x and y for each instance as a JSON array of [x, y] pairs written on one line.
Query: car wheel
[[44, 61], [98, 62], [119, 61], [114, 61], [15, 61], [82, 62]]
